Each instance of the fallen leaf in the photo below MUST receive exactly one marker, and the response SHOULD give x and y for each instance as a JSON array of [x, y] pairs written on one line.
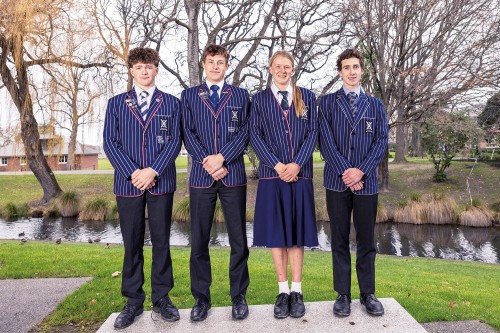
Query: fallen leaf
[[115, 274], [92, 302], [453, 304], [386, 325]]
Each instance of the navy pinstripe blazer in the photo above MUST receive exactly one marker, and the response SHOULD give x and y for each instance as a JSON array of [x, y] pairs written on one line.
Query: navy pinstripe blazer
[[132, 143], [279, 137], [347, 142], [208, 131]]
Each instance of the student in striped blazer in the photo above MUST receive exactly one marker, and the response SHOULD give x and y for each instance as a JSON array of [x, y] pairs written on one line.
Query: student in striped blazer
[[142, 140], [215, 126], [283, 134], [353, 141]]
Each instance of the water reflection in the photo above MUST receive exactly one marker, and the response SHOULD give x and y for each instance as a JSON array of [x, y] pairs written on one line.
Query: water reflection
[[432, 241]]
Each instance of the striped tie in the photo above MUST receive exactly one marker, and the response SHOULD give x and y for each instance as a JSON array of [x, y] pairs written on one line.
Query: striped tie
[[284, 100], [352, 103], [215, 95], [143, 103]]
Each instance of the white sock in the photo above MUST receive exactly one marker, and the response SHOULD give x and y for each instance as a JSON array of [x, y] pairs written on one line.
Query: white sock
[[284, 287], [297, 287]]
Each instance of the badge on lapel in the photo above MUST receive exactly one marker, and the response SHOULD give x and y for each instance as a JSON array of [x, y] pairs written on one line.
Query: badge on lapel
[[369, 126], [131, 104], [203, 94]]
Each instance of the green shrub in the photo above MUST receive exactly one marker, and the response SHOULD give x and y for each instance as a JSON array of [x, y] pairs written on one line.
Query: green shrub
[[415, 196], [23, 210], [95, 210], [113, 214], [476, 203], [10, 211]]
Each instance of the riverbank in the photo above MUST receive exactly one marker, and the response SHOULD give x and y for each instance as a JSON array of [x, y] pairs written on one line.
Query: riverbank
[[405, 181], [430, 290]]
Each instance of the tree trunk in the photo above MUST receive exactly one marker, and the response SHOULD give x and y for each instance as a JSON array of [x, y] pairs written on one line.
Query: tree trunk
[[193, 47], [18, 88], [74, 131], [400, 140], [383, 172], [416, 141]]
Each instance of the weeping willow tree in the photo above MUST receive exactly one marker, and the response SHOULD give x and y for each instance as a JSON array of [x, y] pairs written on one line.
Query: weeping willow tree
[[29, 33]]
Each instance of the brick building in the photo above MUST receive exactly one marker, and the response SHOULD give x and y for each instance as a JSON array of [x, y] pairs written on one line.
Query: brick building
[[12, 157]]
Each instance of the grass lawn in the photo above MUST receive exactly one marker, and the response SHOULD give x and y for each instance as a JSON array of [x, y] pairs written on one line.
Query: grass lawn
[[430, 289]]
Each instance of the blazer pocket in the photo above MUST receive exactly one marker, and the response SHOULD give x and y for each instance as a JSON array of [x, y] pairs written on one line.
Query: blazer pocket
[[368, 125]]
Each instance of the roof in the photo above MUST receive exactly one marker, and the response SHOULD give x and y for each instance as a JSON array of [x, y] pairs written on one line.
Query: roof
[[17, 149]]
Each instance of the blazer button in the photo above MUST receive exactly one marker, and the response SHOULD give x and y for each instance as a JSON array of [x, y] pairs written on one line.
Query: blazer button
[[286, 131]]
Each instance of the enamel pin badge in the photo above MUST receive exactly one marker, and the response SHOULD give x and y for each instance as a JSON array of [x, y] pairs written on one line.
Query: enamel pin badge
[[163, 125]]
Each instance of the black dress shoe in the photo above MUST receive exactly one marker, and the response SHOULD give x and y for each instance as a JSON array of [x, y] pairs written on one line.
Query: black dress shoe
[[168, 310], [282, 306], [372, 304], [200, 309], [297, 308], [342, 305], [127, 316], [240, 307]]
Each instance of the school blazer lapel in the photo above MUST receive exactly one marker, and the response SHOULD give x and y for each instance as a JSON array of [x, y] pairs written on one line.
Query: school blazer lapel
[[156, 102], [133, 106], [363, 104], [204, 95], [343, 102], [225, 95]]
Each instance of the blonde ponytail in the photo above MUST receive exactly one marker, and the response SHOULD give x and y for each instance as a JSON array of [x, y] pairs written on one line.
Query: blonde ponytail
[[298, 103]]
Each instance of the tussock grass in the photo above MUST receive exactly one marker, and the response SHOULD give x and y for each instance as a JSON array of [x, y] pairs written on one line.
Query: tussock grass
[[218, 214], [113, 213], [441, 209], [382, 213], [474, 216], [10, 211], [95, 210], [69, 204], [181, 211], [414, 212]]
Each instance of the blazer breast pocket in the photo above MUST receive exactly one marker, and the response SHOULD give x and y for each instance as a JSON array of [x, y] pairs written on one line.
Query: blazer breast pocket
[[368, 125], [234, 115], [164, 125]]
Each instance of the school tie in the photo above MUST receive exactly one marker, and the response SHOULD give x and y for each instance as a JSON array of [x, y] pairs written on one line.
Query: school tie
[[215, 95], [284, 100], [143, 103], [352, 102]]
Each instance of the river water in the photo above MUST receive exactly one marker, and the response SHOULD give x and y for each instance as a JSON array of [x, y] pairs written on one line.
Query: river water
[[432, 241]]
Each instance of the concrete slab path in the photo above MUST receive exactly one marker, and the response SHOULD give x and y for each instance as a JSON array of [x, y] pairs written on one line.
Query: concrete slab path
[[25, 302], [318, 318]]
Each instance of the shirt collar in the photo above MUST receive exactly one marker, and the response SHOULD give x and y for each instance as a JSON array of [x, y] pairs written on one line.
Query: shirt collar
[[278, 96], [357, 90], [150, 90], [220, 85]]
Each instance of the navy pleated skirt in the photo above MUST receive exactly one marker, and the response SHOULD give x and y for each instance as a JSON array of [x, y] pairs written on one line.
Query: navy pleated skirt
[[285, 214]]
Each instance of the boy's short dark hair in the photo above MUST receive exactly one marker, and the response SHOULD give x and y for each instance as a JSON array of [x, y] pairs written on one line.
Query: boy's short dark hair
[[215, 50], [143, 55], [350, 53]]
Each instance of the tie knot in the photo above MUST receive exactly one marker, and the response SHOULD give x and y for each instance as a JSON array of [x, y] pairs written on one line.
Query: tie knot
[[352, 95], [284, 93], [214, 88], [144, 94]]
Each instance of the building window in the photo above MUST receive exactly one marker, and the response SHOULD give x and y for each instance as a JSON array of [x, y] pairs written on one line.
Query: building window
[[22, 160], [63, 159], [3, 161]]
